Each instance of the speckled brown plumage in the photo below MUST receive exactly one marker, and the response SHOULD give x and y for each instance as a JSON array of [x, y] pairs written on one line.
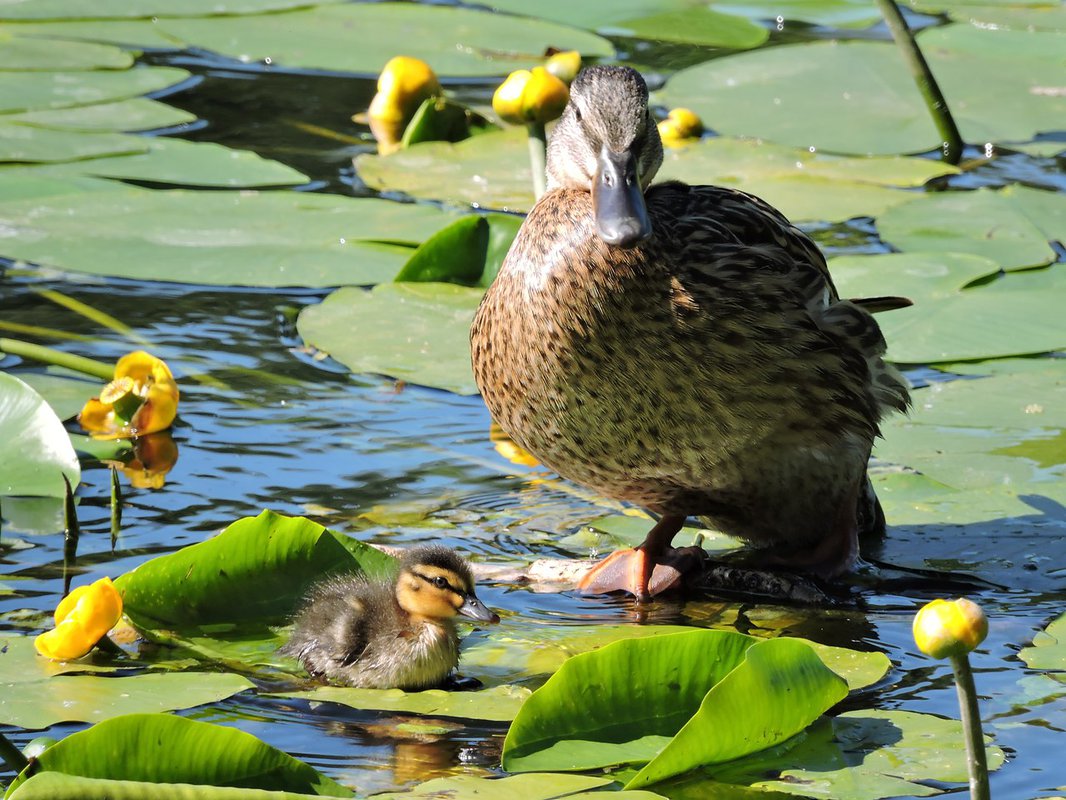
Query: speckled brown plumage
[[710, 369]]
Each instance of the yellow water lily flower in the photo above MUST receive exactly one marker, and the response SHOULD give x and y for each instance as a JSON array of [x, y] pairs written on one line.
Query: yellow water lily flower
[[564, 65], [530, 96], [680, 127], [943, 629], [142, 399], [404, 84], [82, 618]]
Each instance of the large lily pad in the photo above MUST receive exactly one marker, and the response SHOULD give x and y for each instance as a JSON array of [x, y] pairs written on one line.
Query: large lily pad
[[538, 786], [159, 748], [830, 13], [256, 570], [1019, 16], [417, 332], [665, 20], [73, 9], [26, 144], [498, 703], [1012, 226], [37, 698], [454, 41], [28, 53], [492, 171], [65, 394], [859, 97], [57, 786], [37, 450], [24, 91], [1048, 650], [134, 114], [253, 239]]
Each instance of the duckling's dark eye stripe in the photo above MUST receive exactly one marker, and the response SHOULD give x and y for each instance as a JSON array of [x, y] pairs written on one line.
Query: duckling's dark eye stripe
[[447, 583]]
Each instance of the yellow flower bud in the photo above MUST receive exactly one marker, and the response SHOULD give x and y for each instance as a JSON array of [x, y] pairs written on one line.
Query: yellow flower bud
[[680, 127], [404, 84], [564, 65], [530, 96], [142, 399], [943, 629], [82, 618]]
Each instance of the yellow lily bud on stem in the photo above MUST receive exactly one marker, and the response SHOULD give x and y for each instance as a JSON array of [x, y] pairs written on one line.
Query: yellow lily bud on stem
[[533, 97], [951, 630], [403, 85]]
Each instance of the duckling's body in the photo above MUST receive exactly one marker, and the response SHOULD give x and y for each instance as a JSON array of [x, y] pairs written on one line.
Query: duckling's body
[[388, 634], [690, 356]]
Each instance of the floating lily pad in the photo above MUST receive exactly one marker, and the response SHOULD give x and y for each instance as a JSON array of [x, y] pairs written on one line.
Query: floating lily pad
[[135, 114], [1048, 650], [498, 703], [139, 33], [19, 183], [1018, 16], [227, 238], [922, 277], [520, 787], [24, 143], [66, 395], [1011, 226], [104, 9], [859, 97], [160, 748], [492, 171], [665, 20], [37, 697], [829, 13], [25, 53], [37, 450], [417, 332], [25, 91], [453, 41]]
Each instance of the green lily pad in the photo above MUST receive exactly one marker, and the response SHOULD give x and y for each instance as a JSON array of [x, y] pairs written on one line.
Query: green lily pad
[[664, 20], [227, 238], [24, 143], [37, 450], [861, 755], [924, 277], [1018, 16], [829, 13], [181, 163], [493, 171], [417, 332], [859, 97], [135, 114], [66, 395], [516, 787], [25, 53], [497, 703], [256, 570], [159, 748], [25, 91], [37, 697], [1048, 650], [135, 33], [453, 41], [454, 254], [19, 183], [1011, 226], [73, 9], [57, 786]]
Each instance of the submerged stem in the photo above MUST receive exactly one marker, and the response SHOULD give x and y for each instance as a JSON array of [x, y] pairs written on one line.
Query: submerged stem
[[951, 145], [971, 726], [538, 156]]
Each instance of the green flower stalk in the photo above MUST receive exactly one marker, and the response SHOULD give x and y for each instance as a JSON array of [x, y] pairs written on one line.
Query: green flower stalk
[[951, 630]]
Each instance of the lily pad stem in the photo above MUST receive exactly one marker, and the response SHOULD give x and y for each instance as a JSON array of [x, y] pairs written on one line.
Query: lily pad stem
[[951, 144], [971, 726], [48, 355], [12, 756], [538, 156]]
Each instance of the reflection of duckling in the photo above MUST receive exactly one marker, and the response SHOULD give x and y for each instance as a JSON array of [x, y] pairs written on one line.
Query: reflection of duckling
[[382, 635]]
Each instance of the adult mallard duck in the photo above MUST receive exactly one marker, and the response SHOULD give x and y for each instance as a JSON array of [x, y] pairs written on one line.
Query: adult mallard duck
[[682, 348], [388, 634]]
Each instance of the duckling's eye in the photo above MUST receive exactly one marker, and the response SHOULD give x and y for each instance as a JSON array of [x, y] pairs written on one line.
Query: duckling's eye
[[577, 113], [440, 583]]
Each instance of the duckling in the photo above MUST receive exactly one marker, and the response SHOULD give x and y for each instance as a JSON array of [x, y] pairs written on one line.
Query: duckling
[[389, 634], [682, 348]]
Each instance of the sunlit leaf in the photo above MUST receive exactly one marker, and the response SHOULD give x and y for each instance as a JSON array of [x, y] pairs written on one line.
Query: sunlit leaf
[[26, 53], [18, 183], [65, 394], [25, 143], [922, 277], [73, 9], [453, 41], [454, 254], [22, 91], [499, 703], [38, 697], [210, 237], [255, 570], [57, 786], [417, 332], [1048, 650], [1018, 16], [830, 13], [37, 451], [516, 787], [135, 114], [859, 97], [160, 748]]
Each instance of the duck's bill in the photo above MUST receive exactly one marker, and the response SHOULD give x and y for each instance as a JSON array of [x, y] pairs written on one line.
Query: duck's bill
[[618, 201], [475, 609]]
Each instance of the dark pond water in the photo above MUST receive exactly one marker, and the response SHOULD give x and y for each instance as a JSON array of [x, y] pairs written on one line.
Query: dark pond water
[[318, 441]]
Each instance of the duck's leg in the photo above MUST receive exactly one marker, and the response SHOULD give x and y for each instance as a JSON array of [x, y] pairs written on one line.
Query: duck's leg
[[647, 570]]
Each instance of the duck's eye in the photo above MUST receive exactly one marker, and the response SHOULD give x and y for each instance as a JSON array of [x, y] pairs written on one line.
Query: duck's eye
[[440, 583], [577, 113]]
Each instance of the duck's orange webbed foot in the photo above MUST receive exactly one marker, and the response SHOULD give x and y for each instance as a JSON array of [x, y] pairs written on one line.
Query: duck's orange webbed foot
[[636, 571]]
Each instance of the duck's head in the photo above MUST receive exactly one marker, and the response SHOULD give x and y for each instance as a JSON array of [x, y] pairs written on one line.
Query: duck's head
[[436, 583], [606, 143]]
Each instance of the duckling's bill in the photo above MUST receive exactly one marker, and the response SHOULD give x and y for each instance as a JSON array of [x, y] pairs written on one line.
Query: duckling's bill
[[618, 199], [475, 609]]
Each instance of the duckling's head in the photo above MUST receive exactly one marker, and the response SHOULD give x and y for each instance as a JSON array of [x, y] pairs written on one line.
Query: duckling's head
[[435, 583], [606, 143]]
